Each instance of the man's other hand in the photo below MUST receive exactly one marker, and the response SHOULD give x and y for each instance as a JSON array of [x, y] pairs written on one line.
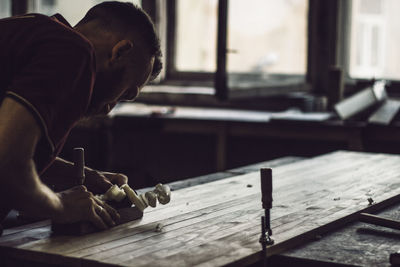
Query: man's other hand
[[99, 182], [78, 204]]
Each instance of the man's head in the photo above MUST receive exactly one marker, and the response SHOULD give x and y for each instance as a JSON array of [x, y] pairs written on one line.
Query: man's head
[[127, 52]]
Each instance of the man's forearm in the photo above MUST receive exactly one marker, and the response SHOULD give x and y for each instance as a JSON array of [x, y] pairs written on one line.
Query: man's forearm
[[28, 194]]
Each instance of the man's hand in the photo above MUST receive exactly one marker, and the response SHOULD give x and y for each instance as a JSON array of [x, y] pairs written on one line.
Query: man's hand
[[99, 182], [80, 205]]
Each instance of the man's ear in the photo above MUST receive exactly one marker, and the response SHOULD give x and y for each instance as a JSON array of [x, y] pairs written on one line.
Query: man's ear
[[120, 49]]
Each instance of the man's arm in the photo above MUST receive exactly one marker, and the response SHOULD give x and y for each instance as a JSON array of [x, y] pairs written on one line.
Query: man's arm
[[19, 134], [19, 181]]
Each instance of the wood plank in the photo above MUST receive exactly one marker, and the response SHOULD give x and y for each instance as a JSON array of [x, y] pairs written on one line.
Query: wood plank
[[297, 222], [217, 223], [146, 230], [293, 226]]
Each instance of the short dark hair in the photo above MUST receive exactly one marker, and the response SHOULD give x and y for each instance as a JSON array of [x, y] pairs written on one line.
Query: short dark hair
[[123, 17]]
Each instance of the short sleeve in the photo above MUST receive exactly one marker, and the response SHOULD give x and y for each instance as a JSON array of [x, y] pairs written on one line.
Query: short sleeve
[[55, 86]]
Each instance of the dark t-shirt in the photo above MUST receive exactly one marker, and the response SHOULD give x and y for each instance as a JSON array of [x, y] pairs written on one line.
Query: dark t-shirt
[[50, 69]]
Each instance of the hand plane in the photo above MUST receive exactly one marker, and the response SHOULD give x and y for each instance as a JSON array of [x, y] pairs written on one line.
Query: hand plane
[[128, 204], [124, 199]]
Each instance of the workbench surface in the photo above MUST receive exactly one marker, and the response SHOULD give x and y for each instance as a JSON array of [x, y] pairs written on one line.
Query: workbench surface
[[218, 223], [357, 243]]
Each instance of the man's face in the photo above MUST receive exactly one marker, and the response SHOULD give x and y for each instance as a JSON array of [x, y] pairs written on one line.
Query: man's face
[[122, 82]]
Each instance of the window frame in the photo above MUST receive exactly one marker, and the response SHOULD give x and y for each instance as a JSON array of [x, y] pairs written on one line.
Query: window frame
[[19, 7]]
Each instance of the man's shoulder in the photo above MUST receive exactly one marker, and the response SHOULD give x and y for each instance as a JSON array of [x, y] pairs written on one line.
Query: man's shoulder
[[42, 29], [31, 19]]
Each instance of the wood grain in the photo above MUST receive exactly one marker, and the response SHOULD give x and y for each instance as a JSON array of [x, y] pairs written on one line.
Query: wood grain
[[217, 223]]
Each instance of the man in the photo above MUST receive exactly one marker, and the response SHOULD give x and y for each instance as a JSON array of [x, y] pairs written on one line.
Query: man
[[53, 75]]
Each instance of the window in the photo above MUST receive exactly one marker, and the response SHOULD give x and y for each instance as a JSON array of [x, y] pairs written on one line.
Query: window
[[265, 45], [196, 33], [269, 39], [374, 39], [72, 10], [5, 8]]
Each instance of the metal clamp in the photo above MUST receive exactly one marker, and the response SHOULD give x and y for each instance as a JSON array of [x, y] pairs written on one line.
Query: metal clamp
[[266, 198]]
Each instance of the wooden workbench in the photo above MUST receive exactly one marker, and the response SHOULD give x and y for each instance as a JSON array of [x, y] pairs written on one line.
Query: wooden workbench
[[218, 223]]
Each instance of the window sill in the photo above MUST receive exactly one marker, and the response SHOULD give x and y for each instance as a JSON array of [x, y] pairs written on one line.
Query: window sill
[[273, 99], [174, 89], [178, 95]]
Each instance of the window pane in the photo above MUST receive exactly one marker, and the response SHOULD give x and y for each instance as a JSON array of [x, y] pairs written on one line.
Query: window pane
[[196, 32], [5, 8], [375, 33], [72, 10], [267, 36]]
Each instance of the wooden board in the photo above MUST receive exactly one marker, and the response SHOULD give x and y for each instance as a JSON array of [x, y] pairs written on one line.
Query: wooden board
[[126, 214], [218, 223]]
